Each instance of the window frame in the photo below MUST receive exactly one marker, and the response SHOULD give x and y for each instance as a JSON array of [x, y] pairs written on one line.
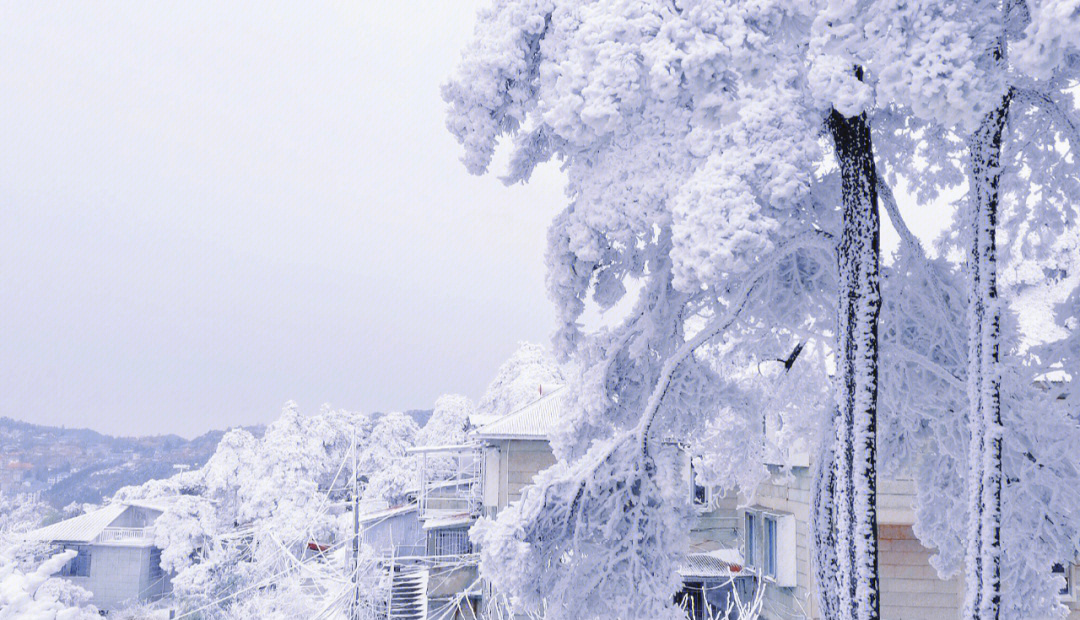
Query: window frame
[[761, 533], [769, 530], [1065, 570], [750, 532]]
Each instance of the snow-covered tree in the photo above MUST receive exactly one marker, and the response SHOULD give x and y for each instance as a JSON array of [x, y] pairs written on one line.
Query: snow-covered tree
[[449, 422], [392, 475], [980, 90], [519, 380], [692, 153], [690, 136], [37, 595], [21, 512], [244, 520]]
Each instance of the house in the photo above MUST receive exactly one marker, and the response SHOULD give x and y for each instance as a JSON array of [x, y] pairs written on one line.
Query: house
[[774, 530], [116, 559], [459, 484], [393, 530]]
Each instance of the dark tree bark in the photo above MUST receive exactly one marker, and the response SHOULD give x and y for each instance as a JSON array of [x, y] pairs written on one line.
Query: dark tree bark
[[983, 560], [854, 503], [823, 527]]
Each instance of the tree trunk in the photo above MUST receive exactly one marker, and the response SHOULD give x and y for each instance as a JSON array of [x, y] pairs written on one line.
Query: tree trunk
[[823, 526], [983, 561], [854, 503]]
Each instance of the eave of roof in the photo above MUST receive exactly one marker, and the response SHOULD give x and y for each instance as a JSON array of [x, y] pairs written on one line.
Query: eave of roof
[[455, 520], [719, 563], [386, 514]]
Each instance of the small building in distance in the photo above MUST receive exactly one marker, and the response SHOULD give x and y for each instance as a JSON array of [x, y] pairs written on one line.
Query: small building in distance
[[116, 558]]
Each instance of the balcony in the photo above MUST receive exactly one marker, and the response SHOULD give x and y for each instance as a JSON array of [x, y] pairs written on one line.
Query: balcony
[[126, 535], [451, 481]]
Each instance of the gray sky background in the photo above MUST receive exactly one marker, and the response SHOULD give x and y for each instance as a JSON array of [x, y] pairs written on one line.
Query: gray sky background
[[209, 208]]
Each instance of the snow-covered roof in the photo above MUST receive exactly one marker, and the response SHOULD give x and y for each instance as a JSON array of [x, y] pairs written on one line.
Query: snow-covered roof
[[718, 563], [83, 528], [533, 421], [386, 514], [456, 520]]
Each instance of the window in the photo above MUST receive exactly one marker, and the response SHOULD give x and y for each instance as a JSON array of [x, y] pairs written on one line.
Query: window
[[450, 542], [692, 600], [78, 566], [699, 494], [1066, 590], [769, 544], [768, 547], [155, 563], [751, 539]]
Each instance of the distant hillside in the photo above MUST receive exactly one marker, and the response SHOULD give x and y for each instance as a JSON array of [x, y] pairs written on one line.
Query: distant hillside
[[421, 416], [80, 465]]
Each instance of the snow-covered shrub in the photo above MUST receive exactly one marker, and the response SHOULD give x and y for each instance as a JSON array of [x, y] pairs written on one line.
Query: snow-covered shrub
[[36, 595]]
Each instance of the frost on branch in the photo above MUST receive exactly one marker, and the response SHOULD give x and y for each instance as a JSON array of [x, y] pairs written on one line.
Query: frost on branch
[[597, 539], [491, 93]]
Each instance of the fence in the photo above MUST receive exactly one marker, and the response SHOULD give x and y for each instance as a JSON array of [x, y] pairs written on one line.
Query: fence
[[124, 534]]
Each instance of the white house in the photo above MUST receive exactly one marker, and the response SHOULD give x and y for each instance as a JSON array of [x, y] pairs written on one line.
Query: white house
[[116, 560], [774, 528]]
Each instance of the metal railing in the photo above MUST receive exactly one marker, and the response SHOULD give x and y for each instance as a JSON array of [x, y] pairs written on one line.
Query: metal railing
[[124, 534], [451, 542], [451, 481]]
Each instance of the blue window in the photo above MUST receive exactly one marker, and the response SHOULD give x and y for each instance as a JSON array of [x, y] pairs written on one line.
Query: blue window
[[751, 539], [768, 566]]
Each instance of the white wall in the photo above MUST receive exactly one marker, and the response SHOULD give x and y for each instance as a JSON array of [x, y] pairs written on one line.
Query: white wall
[[118, 574]]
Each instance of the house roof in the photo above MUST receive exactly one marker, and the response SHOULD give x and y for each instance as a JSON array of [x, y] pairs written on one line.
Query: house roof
[[719, 563], [533, 421], [83, 528], [455, 520], [387, 513]]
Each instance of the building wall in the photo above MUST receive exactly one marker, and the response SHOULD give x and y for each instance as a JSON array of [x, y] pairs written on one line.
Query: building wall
[[910, 587], [791, 496], [393, 531], [118, 574], [518, 462], [1073, 601], [136, 516], [717, 526]]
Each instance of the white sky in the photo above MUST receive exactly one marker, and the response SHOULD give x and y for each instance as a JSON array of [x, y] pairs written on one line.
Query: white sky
[[209, 208]]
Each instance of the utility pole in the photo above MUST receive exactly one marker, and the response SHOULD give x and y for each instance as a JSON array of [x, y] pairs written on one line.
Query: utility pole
[[356, 535]]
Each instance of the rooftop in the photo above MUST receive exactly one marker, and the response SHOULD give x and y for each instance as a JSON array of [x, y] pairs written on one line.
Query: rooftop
[[533, 421]]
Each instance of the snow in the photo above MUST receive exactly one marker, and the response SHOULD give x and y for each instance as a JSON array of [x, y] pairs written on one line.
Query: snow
[[37, 595]]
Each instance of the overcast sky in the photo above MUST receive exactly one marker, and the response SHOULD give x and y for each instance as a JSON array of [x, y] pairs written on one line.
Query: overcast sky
[[208, 208]]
